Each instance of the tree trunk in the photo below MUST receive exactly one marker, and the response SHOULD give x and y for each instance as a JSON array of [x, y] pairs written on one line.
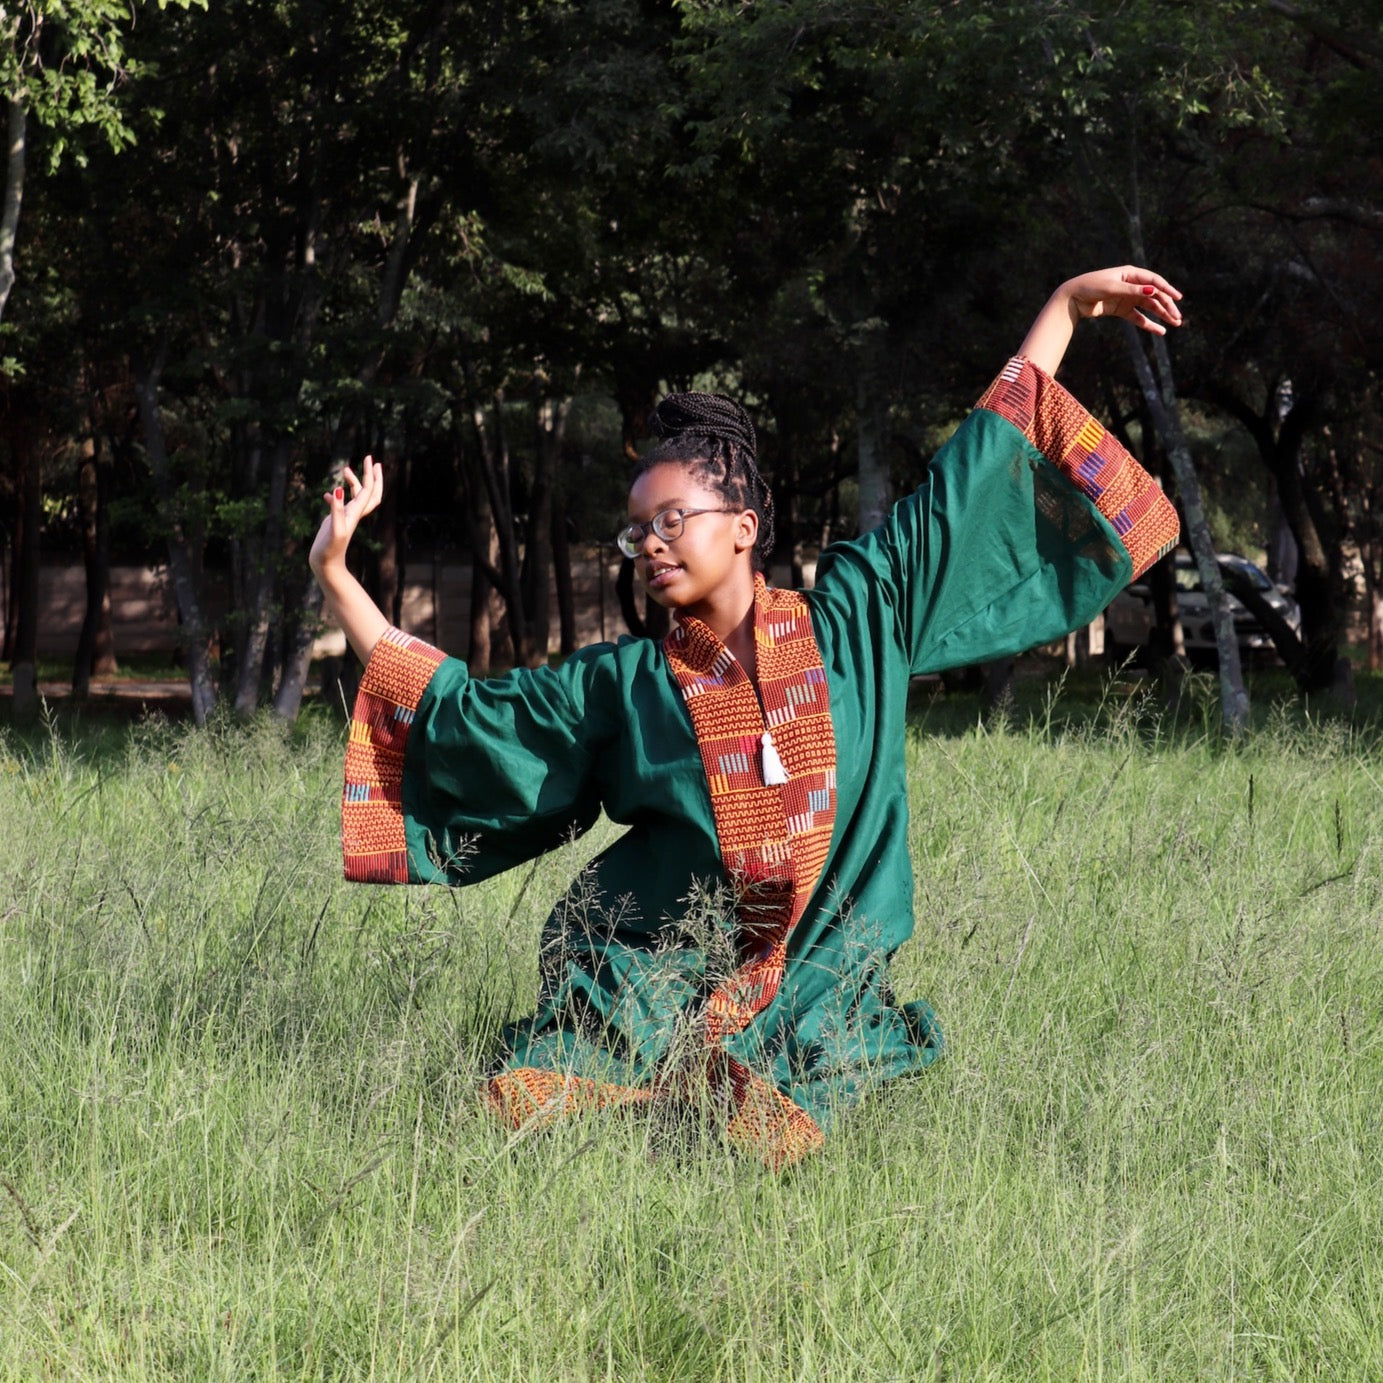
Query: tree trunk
[[307, 617], [297, 660], [1318, 566], [875, 488], [484, 560], [14, 196], [1279, 432], [9, 612], [1375, 628], [1168, 637], [552, 426], [388, 562], [561, 569], [181, 560], [1161, 399], [246, 467], [482, 632], [492, 461], [797, 570], [95, 644], [23, 650], [260, 616], [830, 501]]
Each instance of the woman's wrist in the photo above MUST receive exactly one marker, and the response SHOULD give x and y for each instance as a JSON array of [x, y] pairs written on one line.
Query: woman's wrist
[[1045, 344], [331, 572]]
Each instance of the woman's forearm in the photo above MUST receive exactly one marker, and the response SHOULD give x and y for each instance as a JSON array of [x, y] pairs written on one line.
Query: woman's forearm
[[348, 602]]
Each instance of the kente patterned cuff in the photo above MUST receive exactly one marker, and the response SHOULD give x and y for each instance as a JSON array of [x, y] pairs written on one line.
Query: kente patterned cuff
[[1089, 456], [373, 845]]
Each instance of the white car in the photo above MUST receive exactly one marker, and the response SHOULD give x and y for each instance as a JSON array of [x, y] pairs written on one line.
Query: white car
[[1129, 620]]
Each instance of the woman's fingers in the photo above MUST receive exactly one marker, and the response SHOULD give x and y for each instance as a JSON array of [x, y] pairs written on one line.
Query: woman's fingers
[[1148, 279], [1165, 306], [1138, 295], [1162, 297], [366, 491]]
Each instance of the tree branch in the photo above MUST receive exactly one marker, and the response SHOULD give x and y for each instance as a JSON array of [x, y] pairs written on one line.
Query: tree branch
[[1355, 49]]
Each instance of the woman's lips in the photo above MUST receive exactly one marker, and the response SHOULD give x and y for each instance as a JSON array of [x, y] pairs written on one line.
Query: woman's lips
[[659, 575]]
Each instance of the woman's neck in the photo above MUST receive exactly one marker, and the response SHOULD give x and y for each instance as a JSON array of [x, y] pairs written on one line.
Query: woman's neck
[[731, 619], [740, 642]]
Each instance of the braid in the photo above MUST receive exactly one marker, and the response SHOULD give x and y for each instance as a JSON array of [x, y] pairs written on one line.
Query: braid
[[714, 437]]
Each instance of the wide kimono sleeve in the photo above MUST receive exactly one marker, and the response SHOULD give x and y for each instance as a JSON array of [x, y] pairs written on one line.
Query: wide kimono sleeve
[[1032, 518], [450, 779]]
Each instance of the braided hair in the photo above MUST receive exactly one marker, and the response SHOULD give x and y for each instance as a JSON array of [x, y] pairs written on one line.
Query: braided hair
[[713, 437]]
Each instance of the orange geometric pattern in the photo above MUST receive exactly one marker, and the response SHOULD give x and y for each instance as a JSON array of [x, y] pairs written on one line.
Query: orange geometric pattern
[[372, 833], [1088, 456], [765, 1121], [774, 839], [526, 1095]]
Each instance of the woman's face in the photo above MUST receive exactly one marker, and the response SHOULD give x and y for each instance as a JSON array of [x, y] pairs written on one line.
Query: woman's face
[[710, 557]]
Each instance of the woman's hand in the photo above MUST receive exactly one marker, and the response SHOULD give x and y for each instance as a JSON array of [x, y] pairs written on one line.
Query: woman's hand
[[1137, 295], [1128, 292], [347, 600], [343, 516]]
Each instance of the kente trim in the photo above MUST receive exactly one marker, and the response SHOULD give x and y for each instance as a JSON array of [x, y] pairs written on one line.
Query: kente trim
[[373, 846], [1089, 456]]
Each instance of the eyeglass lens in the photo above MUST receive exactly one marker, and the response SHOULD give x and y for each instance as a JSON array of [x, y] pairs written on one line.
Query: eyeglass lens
[[667, 524]]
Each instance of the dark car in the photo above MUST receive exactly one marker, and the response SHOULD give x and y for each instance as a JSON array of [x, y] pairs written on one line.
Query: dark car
[[1129, 619]]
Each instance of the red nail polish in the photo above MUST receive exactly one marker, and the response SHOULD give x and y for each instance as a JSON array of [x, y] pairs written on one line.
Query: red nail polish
[[1148, 288], [340, 493]]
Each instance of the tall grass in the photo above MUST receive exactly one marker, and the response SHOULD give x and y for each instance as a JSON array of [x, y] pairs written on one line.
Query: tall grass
[[240, 1138]]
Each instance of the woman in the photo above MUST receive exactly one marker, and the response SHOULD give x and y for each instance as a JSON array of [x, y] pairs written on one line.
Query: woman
[[756, 755]]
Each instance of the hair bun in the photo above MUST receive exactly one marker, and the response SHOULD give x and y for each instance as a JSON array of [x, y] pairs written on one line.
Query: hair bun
[[704, 415]]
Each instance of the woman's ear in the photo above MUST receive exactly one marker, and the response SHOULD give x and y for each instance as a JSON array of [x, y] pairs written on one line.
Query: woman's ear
[[746, 530]]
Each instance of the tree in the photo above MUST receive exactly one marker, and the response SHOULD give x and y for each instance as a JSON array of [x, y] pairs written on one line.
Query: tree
[[889, 161], [310, 159], [62, 66]]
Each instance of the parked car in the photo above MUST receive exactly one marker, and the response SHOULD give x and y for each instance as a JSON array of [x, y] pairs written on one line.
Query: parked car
[[1129, 619]]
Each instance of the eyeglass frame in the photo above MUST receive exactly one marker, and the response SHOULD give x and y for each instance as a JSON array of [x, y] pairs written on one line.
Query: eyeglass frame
[[632, 548]]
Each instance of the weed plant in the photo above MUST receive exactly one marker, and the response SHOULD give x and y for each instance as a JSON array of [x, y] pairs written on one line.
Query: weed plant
[[240, 1135]]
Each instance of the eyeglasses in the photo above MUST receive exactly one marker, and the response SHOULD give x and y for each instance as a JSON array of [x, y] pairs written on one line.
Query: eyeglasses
[[666, 523]]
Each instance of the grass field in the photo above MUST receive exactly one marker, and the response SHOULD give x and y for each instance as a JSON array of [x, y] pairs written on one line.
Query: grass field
[[240, 1139]]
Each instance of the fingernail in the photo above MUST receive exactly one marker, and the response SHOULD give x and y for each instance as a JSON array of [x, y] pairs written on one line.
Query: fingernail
[[340, 493], [1149, 289]]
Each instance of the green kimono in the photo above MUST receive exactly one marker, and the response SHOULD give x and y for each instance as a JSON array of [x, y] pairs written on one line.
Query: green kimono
[[1031, 519]]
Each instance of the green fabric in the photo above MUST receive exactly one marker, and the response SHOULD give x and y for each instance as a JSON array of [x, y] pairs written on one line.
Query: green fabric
[[995, 553]]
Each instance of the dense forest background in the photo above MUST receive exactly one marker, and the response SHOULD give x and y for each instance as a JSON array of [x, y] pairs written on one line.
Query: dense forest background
[[246, 242]]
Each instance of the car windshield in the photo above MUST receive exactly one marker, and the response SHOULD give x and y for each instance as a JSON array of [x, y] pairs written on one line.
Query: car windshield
[[1240, 568], [1246, 571]]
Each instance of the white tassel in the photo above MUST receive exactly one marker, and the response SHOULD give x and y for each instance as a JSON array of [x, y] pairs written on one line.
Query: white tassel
[[774, 773]]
